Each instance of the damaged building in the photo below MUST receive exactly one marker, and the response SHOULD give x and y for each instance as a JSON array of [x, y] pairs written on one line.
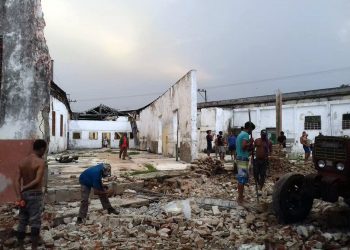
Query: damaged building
[[167, 126], [323, 111], [89, 129]]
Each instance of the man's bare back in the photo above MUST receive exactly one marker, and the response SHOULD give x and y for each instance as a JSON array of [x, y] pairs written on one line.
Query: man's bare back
[[31, 172]]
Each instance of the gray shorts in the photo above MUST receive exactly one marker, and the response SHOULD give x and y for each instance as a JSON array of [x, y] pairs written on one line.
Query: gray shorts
[[31, 213], [222, 149]]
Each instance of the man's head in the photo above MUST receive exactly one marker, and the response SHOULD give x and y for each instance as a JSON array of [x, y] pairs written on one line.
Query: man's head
[[249, 127], [220, 132], [263, 134], [208, 132], [304, 133], [106, 171], [39, 146], [282, 133]]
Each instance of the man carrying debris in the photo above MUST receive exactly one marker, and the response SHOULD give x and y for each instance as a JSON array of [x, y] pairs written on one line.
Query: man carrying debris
[[232, 145], [263, 147], [92, 178], [209, 138], [29, 193], [123, 146], [282, 139], [244, 145]]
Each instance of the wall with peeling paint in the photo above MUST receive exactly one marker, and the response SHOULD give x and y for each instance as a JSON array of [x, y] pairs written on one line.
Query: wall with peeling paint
[[24, 93], [293, 117], [175, 110]]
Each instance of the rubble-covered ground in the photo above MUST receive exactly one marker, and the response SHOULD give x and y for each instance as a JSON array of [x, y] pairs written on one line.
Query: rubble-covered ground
[[192, 209]]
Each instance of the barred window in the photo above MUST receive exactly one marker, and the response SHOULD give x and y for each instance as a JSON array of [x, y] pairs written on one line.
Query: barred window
[[76, 135], [93, 136], [346, 121], [312, 122]]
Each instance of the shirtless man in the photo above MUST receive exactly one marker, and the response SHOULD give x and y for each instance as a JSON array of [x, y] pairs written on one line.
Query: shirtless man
[[29, 193], [263, 147], [306, 145]]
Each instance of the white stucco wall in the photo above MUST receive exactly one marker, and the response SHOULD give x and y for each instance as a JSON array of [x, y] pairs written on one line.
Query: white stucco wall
[[58, 143], [158, 122], [121, 125], [293, 117]]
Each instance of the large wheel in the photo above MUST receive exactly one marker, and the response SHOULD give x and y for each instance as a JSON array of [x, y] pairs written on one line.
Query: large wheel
[[290, 202]]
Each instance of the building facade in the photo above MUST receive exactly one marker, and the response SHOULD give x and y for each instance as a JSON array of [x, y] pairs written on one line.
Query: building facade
[[89, 134], [325, 111], [60, 113]]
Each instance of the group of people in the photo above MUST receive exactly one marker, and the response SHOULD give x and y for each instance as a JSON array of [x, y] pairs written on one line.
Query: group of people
[[220, 142], [244, 149]]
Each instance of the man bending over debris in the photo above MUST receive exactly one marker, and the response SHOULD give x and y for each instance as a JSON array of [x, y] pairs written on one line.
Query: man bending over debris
[[263, 148], [243, 147], [29, 193], [92, 178]]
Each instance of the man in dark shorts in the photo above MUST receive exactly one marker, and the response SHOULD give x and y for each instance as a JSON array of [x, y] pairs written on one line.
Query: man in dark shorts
[[282, 139], [232, 145], [92, 178], [29, 193], [209, 138], [263, 147]]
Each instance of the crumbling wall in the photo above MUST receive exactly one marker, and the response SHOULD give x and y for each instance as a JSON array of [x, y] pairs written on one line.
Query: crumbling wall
[[172, 120], [24, 93]]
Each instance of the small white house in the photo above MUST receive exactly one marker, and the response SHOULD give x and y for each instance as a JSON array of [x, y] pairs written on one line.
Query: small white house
[[90, 134], [60, 114], [325, 111]]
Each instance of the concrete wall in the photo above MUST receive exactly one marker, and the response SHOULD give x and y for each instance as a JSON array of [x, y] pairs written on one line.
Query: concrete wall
[[176, 110], [24, 93], [58, 142], [121, 125], [293, 117]]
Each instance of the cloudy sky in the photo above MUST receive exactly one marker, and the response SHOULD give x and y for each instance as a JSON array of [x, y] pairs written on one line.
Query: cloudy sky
[[125, 53]]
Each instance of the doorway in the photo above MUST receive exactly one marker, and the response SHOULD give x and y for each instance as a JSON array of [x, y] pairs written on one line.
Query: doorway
[[106, 140]]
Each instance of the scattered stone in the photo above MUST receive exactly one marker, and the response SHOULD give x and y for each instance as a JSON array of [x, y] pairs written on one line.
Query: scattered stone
[[215, 210]]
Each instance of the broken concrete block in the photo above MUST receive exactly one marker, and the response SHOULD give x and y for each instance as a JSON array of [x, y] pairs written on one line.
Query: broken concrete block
[[215, 210]]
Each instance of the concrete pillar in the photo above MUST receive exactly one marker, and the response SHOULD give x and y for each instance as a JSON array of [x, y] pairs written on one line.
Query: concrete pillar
[[24, 93]]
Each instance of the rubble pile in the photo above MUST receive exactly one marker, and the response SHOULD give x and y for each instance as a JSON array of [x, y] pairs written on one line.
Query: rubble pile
[[208, 166], [67, 158], [153, 227]]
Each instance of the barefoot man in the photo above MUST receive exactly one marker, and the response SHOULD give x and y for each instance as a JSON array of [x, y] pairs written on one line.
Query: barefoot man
[[243, 147], [29, 193]]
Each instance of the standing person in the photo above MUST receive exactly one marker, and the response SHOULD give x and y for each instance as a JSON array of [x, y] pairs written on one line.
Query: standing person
[[232, 145], [29, 193], [105, 142], [243, 147], [209, 138], [221, 145], [263, 148], [92, 178], [282, 139], [306, 146], [123, 146], [216, 146]]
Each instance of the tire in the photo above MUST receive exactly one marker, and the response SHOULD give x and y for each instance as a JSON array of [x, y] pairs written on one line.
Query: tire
[[290, 202]]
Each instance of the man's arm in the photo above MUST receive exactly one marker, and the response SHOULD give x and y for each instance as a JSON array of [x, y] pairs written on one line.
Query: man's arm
[[38, 177]]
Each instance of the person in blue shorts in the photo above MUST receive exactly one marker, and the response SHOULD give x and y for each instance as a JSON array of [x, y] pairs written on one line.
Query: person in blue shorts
[[306, 146], [244, 145]]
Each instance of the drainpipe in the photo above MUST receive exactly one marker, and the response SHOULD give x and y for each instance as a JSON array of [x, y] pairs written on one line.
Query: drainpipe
[[177, 136]]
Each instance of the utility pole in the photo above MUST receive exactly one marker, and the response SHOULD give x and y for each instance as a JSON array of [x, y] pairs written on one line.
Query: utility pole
[[278, 112], [205, 93]]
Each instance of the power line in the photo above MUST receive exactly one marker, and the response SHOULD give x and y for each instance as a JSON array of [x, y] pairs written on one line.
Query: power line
[[279, 78], [226, 85]]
